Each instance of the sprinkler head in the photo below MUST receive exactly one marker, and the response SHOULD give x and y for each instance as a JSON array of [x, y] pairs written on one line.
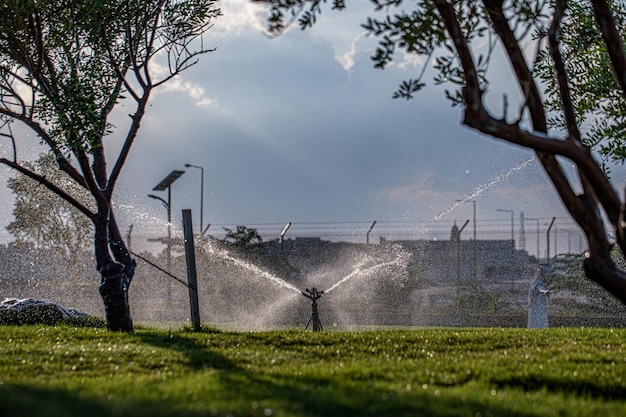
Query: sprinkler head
[[312, 293]]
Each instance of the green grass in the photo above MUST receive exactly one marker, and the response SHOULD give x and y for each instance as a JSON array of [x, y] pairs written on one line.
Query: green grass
[[63, 371]]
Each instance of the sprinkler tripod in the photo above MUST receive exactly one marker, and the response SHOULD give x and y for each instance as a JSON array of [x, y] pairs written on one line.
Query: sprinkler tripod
[[314, 295]]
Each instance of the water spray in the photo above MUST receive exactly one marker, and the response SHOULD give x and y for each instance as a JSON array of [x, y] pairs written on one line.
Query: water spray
[[483, 187]]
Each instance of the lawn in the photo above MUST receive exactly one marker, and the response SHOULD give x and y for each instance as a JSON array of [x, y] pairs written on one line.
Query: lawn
[[64, 371]]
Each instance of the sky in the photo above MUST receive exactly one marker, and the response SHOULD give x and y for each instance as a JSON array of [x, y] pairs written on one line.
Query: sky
[[302, 129]]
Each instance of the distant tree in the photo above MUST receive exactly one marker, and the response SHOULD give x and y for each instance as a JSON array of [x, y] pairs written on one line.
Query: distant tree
[[460, 37], [44, 219], [245, 240], [64, 67]]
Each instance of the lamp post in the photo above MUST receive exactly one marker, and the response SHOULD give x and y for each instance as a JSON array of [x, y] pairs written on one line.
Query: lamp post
[[169, 228], [474, 244], [458, 253], [166, 184], [512, 226], [201, 195]]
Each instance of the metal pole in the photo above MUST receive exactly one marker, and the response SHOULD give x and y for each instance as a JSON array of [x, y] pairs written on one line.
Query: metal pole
[[522, 233], [458, 253], [201, 199], [367, 236], [475, 243], [538, 240], [169, 228], [282, 235], [166, 184], [201, 194], [512, 230], [474, 249], [474, 204], [190, 256], [548, 239], [167, 207]]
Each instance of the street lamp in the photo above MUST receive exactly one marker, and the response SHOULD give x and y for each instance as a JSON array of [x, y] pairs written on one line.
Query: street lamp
[[166, 184], [165, 204], [512, 225], [201, 195]]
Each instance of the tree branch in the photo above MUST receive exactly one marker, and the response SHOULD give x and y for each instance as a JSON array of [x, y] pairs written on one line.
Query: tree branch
[[52, 187], [128, 142], [612, 40], [561, 75], [523, 73]]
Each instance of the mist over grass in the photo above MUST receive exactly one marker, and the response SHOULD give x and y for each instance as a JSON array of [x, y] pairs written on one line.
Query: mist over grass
[[64, 371]]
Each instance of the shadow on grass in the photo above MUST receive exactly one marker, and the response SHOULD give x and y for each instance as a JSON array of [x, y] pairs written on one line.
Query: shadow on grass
[[582, 388], [27, 401], [199, 356], [320, 397]]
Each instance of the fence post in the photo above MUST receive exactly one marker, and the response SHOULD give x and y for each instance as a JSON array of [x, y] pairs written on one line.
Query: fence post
[[190, 256]]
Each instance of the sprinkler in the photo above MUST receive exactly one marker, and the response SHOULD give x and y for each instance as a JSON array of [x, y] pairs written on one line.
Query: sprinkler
[[314, 295]]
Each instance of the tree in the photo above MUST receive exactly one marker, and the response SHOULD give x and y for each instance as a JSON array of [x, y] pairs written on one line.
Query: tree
[[42, 218], [247, 243], [460, 37], [48, 224], [243, 238], [64, 67]]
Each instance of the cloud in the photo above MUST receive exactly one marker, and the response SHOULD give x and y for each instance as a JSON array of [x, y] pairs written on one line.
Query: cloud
[[409, 61], [195, 92], [239, 17], [423, 187], [346, 59]]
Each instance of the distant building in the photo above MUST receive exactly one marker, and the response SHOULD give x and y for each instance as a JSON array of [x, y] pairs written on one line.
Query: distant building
[[439, 262], [462, 262]]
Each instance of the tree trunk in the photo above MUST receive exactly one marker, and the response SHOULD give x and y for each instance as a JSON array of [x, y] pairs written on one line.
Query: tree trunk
[[115, 275], [114, 292]]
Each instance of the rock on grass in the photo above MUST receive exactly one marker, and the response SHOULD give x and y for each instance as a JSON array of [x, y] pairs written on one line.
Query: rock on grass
[[14, 311]]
